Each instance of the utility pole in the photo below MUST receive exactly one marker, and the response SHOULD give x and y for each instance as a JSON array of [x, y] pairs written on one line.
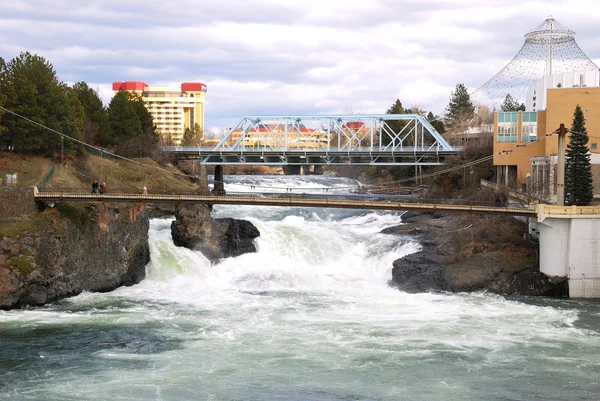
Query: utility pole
[[560, 182]]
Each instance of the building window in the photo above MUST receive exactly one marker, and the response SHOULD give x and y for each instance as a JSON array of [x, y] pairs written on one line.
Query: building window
[[594, 145], [507, 127], [529, 127]]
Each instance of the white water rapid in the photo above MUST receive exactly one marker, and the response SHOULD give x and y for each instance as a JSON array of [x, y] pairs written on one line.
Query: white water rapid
[[310, 316]]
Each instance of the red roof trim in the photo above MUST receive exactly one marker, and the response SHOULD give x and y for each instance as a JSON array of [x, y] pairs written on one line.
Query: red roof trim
[[129, 86], [193, 87]]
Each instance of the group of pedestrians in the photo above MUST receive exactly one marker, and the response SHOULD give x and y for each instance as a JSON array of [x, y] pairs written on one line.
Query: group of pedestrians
[[99, 188], [102, 188]]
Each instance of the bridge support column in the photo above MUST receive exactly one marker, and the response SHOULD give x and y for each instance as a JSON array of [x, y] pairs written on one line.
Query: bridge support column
[[219, 185], [570, 247], [293, 169], [319, 169]]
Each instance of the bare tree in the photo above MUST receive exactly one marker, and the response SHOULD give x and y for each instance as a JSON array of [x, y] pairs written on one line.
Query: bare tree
[[351, 111]]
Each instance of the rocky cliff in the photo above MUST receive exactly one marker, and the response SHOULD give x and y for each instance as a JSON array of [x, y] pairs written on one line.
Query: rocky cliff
[[71, 248], [471, 253]]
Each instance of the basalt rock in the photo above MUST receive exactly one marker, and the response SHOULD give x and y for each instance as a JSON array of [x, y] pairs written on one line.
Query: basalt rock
[[194, 228], [511, 269], [69, 249]]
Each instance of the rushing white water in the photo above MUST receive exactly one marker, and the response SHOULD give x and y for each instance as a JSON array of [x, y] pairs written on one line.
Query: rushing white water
[[310, 316]]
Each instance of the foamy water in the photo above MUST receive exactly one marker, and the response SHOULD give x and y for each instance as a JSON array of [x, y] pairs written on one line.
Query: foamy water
[[310, 316]]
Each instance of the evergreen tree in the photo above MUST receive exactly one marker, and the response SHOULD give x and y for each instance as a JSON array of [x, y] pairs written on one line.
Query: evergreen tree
[[96, 125], [510, 104], [193, 137], [436, 122], [146, 120], [123, 119], [30, 87], [396, 126], [578, 170], [460, 110]]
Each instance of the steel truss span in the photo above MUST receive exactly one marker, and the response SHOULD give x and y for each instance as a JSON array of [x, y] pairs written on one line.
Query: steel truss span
[[379, 139]]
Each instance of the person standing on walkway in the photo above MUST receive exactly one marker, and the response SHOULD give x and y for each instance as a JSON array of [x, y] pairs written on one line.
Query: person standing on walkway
[[145, 190], [94, 187]]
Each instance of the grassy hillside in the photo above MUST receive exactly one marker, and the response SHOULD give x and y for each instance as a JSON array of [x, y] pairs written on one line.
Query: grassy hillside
[[79, 173], [30, 169]]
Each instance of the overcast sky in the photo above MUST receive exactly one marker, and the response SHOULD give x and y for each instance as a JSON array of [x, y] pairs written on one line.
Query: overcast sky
[[288, 56]]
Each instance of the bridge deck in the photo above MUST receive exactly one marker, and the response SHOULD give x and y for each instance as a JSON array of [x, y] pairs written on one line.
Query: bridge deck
[[284, 157], [304, 200]]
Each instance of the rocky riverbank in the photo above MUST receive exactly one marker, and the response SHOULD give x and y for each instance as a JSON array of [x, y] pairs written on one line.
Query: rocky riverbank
[[68, 249], [71, 248], [463, 253]]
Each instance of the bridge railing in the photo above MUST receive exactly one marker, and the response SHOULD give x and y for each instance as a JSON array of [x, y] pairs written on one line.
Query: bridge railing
[[286, 194], [263, 149], [114, 191]]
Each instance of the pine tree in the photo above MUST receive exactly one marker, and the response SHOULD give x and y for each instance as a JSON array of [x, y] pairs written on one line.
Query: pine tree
[[578, 170], [96, 124], [396, 126], [436, 122], [510, 104], [460, 109], [193, 137], [29, 86]]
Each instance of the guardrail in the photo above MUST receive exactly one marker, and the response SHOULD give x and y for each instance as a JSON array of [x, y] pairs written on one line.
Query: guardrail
[[279, 199], [47, 177]]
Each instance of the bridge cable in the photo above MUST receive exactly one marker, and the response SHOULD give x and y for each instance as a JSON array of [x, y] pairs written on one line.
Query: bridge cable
[[462, 166], [95, 147], [444, 171]]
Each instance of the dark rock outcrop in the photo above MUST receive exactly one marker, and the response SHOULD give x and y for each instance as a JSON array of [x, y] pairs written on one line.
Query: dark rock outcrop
[[70, 249], [443, 264], [194, 228]]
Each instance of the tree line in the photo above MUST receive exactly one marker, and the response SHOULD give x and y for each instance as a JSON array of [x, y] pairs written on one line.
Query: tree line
[[30, 87], [461, 113]]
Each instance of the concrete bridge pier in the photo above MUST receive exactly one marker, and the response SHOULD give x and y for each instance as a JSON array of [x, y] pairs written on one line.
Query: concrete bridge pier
[[219, 185], [295, 169], [292, 170], [570, 247]]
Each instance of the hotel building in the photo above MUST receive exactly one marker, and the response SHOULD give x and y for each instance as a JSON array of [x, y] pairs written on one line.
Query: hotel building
[[173, 109]]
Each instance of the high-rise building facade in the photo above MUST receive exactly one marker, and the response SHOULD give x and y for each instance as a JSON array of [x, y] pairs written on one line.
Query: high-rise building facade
[[173, 109]]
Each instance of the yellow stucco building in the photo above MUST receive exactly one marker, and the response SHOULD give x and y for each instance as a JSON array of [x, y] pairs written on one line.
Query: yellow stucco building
[[520, 138], [173, 109]]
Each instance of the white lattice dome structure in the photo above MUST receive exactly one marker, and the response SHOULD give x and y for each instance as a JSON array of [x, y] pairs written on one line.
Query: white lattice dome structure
[[549, 49]]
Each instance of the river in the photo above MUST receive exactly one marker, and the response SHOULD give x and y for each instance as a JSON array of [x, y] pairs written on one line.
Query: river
[[310, 316]]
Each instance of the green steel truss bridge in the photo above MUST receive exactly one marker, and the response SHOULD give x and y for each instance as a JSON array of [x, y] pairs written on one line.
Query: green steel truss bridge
[[374, 139]]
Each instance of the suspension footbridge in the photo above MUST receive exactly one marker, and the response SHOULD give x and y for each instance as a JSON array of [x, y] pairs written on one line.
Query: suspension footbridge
[[371, 202]]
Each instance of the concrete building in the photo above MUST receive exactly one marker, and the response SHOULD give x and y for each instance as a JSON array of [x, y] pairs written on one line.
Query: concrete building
[[536, 93], [173, 109], [522, 147]]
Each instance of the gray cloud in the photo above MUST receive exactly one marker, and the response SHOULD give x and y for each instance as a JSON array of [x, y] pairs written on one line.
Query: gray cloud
[[287, 57]]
